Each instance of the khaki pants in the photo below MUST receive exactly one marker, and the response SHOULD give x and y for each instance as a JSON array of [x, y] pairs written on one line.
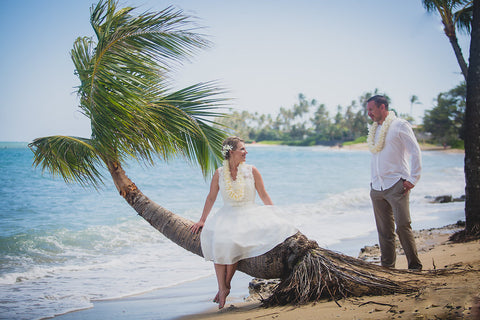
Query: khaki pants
[[391, 207]]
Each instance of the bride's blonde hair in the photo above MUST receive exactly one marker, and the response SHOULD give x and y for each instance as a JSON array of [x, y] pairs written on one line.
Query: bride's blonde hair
[[230, 144]]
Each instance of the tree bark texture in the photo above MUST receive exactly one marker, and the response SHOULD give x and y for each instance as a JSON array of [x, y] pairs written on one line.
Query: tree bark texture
[[450, 32], [472, 130], [458, 54]]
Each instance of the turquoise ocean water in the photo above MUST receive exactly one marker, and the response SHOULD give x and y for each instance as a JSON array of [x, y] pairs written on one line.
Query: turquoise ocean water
[[63, 247]]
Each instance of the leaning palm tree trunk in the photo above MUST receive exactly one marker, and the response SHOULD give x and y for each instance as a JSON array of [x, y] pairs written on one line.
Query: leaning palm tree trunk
[[307, 272], [452, 37]]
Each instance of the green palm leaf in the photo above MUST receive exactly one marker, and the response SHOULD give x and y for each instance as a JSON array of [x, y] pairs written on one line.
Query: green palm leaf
[[72, 158], [457, 12], [464, 17], [187, 113]]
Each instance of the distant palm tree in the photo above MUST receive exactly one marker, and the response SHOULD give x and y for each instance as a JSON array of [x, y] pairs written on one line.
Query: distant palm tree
[[124, 92], [413, 100], [454, 14]]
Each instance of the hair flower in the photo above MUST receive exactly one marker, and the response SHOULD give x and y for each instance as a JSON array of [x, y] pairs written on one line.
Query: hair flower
[[225, 149]]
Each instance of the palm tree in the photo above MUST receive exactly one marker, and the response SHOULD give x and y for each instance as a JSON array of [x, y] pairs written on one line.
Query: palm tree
[[472, 132], [413, 100], [123, 91], [451, 20]]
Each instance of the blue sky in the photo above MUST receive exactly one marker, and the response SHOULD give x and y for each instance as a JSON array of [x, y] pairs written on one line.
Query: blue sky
[[265, 52]]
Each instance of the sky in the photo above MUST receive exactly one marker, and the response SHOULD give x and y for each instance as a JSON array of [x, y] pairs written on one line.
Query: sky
[[264, 52]]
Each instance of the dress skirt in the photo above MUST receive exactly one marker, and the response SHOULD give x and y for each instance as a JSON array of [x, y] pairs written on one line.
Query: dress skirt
[[243, 231]]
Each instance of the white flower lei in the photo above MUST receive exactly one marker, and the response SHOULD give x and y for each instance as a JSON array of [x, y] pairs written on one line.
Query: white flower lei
[[377, 147], [235, 189]]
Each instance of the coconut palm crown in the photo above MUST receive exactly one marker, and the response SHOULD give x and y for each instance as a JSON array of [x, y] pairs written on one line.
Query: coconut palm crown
[[454, 14], [124, 91]]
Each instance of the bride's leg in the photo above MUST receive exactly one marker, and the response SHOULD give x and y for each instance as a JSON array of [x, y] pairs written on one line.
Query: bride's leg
[[231, 268], [224, 277], [221, 273], [223, 294]]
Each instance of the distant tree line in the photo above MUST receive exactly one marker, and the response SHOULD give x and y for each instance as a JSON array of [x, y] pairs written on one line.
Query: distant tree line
[[445, 121], [308, 122]]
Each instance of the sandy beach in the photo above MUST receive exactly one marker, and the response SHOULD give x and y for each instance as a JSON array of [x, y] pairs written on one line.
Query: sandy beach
[[453, 294]]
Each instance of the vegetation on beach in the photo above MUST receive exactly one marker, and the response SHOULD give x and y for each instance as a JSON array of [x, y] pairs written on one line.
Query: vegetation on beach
[[362, 139], [308, 123]]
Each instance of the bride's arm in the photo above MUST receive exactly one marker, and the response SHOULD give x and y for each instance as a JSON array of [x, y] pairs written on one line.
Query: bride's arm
[[261, 187], [209, 202]]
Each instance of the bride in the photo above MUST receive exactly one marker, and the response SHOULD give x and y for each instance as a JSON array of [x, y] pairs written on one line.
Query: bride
[[241, 228]]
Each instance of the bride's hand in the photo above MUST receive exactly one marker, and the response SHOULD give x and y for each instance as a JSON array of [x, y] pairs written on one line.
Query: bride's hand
[[197, 226]]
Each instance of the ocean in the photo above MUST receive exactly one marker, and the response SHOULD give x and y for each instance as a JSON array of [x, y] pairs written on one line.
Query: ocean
[[64, 248]]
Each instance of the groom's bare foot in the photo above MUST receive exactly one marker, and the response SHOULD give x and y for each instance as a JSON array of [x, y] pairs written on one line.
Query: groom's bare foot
[[222, 298]]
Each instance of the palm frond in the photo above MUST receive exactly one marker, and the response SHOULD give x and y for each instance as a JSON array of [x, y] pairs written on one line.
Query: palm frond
[[72, 158], [81, 54], [141, 45], [123, 86], [207, 151], [464, 17], [452, 12], [429, 5], [123, 91], [189, 114]]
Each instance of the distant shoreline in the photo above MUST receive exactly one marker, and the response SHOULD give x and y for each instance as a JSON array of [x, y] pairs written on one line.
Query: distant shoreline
[[363, 147], [423, 147]]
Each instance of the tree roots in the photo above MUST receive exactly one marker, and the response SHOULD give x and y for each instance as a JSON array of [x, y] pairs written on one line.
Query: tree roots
[[321, 273]]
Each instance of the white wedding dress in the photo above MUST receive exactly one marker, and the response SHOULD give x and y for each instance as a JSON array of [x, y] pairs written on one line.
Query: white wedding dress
[[241, 228]]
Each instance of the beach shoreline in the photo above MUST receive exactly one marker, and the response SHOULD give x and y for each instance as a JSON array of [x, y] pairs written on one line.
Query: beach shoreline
[[363, 147], [452, 295], [423, 147]]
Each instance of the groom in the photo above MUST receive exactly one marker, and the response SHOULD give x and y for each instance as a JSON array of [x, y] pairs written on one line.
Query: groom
[[394, 146]]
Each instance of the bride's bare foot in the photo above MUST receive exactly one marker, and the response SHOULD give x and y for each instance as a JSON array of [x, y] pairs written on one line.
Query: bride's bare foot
[[222, 298], [216, 297]]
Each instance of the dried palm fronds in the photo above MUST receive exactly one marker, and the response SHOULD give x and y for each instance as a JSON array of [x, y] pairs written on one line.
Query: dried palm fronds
[[320, 273]]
